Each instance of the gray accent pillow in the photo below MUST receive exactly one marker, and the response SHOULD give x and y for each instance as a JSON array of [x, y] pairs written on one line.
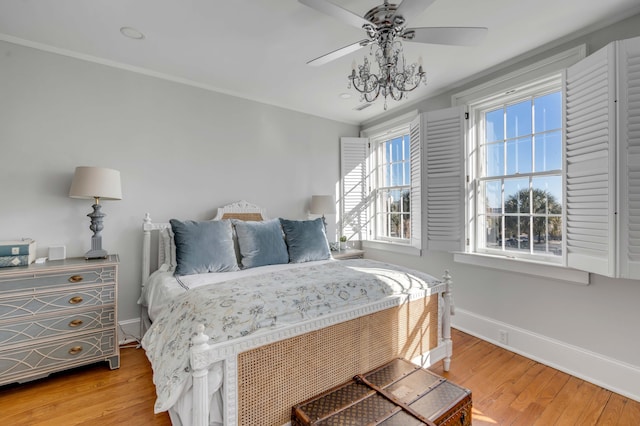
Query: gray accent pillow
[[261, 243], [203, 247], [306, 240]]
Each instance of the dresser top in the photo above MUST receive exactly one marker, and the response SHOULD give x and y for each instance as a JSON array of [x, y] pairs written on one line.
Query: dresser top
[[70, 263]]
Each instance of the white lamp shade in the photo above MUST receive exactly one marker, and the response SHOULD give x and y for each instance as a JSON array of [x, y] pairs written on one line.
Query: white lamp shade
[[322, 204], [96, 182]]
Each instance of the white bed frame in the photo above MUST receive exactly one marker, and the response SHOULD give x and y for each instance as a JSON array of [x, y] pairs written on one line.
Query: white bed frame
[[203, 355]]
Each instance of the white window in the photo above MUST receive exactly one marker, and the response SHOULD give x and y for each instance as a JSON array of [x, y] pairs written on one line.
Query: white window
[[519, 178], [392, 186], [381, 184]]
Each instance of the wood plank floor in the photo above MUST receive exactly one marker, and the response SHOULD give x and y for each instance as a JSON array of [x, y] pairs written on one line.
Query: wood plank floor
[[508, 389]]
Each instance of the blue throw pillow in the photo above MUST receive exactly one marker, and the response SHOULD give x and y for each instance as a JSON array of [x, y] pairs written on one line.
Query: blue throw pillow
[[203, 247], [306, 240], [261, 243]]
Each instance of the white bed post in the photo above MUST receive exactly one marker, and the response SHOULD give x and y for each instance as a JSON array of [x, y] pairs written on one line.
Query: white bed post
[[199, 372], [146, 247], [449, 310]]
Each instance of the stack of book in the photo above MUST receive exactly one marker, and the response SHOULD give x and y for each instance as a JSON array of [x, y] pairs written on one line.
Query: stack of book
[[17, 253]]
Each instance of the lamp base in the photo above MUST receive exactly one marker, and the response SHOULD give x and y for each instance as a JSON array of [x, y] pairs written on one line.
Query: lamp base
[[96, 254], [96, 251]]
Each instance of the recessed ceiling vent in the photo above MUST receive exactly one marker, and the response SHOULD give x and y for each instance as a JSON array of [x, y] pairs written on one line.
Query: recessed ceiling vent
[[363, 106]]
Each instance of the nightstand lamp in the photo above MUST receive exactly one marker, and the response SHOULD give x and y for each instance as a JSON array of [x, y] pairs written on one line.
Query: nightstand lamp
[[323, 204], [97, 183]]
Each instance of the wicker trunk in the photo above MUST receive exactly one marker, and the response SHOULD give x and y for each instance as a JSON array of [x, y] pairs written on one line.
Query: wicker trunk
[[397, 394]]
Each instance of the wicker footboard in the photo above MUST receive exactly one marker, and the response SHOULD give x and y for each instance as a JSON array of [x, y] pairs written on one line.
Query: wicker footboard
[[274, 377]]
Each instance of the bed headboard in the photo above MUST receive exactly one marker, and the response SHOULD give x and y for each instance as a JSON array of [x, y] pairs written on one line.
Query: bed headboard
[[241, 210]]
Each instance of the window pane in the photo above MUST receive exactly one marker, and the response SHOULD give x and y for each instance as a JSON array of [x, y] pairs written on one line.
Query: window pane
[[406, 226], [516, 229], [547, 112], [519, 120], [493, 196], [494, 125], [407, 146], [547, 194], [516, 195], [406, 200], [519, 156], [396, 149], [407, 173], [386, 175], [494, 233], [548, 151], [397, 175], [546, 235], [495, 159]]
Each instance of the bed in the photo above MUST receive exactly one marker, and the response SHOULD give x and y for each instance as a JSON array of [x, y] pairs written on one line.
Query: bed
[[310, 323]]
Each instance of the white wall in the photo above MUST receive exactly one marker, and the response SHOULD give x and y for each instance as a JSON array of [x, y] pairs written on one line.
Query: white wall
[[182, 152], [590, 331]]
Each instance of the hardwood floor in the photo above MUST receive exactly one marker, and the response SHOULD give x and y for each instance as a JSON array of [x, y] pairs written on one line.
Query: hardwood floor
[[508, 389]]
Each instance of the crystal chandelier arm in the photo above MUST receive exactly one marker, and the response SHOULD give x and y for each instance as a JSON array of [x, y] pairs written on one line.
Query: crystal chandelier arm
[[321, 60], [454, 36]]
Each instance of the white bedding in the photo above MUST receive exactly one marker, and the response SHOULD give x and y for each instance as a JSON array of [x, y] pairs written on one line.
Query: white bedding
[[255, 300], [162, 286]]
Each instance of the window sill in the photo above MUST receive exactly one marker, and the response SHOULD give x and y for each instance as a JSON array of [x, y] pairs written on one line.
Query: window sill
[[391, 247], [536, 269]]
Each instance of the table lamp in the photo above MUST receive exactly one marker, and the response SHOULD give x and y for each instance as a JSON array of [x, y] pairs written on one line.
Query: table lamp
[[97, 183], [323, 204]]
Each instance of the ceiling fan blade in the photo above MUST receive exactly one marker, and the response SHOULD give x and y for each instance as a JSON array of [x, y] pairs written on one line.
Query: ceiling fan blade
[[321, 60], [410, 8], [455, 36], [336, 11]]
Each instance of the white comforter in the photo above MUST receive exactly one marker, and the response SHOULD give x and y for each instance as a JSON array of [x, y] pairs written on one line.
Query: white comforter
[[242, 306]]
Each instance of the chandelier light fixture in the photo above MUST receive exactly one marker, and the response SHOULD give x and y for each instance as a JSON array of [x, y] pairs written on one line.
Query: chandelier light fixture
[[385, 26], [394, 78]]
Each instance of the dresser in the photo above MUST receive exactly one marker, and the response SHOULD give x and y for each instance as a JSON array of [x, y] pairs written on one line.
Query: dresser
[[57, 315]]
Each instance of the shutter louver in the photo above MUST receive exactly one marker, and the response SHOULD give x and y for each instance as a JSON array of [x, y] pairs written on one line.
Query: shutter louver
[[444, 156], [629, 111], [416, 181], [590, 164], [354, 195]]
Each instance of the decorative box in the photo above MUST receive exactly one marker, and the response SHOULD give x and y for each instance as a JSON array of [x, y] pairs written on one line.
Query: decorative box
[[17, 253]]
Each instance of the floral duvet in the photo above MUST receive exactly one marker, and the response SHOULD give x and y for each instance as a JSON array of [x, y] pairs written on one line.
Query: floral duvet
[[243, 306]]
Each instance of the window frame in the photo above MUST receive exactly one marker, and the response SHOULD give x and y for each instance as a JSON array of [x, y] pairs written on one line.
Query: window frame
[[476, 132], [412, 246], [378, 160]]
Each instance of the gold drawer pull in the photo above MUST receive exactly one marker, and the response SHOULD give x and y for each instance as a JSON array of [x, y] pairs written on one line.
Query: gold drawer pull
[[75, 300], [75, 350], [75, 278], [75, 323]]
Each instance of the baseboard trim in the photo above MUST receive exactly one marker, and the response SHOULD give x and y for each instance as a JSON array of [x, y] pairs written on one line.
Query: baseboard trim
[[128, 331], [606, 372]]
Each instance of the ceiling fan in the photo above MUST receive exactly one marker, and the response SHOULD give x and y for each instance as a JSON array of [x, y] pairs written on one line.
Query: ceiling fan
[[386, 23]]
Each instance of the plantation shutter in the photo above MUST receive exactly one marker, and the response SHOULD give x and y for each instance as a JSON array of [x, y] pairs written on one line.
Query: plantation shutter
[[444, 160], [416, 180], [354, 189], [629, 147], [589, 93]]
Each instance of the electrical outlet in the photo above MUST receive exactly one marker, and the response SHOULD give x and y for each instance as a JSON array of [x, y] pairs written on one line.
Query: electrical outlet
[[503, 337]]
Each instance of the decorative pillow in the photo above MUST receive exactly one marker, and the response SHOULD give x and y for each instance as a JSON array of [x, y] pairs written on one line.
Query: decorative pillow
[[203, 246], [306, 240], [261, 243]]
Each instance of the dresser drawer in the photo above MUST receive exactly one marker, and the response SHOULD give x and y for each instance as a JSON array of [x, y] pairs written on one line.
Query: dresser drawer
[[40, 303], [51, 326], [42, 359], [51, 279]]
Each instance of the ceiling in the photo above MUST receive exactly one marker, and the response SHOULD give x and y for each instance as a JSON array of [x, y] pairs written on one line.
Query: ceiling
[[258, 49]]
